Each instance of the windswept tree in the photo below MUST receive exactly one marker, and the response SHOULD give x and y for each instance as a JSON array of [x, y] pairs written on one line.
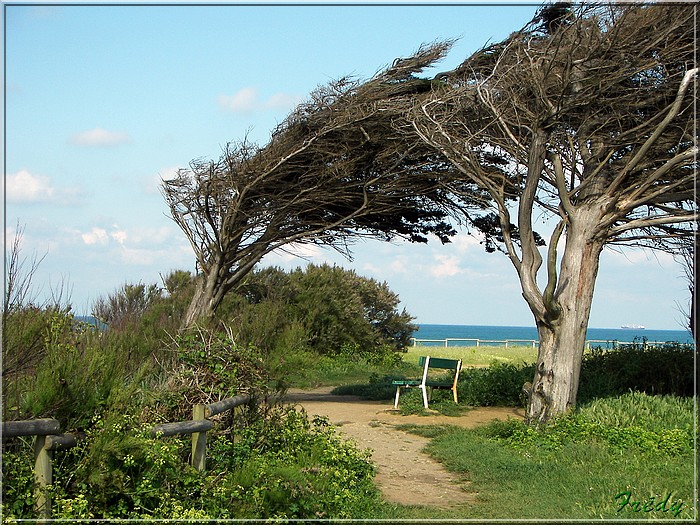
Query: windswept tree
[[332, 172], [585, 117]]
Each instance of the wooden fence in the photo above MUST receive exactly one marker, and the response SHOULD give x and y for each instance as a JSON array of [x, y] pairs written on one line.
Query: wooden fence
[[49, 439]]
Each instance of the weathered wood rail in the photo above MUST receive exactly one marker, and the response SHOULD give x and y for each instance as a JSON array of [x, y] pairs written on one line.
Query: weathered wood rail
[[49, 439], [199, 425]]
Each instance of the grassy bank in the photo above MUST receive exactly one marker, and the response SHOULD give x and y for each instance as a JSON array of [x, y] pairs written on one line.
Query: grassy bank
[[628, 457]]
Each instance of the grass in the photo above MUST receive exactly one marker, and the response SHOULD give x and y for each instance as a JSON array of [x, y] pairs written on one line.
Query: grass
[[308, 370], [566, 473], [618, 454], [473, 356]]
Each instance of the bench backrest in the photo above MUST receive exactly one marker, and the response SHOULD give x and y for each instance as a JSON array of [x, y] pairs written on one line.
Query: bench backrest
[[439, 362], [428, 362]]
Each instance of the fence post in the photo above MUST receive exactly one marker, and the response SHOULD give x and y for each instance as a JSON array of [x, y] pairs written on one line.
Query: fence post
[[199, 439], [43, 476]]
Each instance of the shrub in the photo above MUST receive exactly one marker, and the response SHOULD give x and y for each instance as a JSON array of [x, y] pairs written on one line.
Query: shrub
[[207, 366], [649, 424], [281, 466], [666, 369], [78, 375], [498, 385], [129, 302], [337, 309]]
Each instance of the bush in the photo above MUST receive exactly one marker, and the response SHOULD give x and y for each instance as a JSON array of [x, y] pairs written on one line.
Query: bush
[[664, 370], [282, 466], [78, 375], [498, 385], [337, 310], [648, 424]]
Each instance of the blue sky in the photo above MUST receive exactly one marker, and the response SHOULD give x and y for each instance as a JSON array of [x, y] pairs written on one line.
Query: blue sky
[[103, 101]]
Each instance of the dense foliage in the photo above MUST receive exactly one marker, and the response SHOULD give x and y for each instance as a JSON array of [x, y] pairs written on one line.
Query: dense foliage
[[336, 309], [280, 466], [266, 461], [112, 381]]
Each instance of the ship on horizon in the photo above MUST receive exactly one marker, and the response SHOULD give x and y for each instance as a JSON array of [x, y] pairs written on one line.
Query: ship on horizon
[[633, 327]]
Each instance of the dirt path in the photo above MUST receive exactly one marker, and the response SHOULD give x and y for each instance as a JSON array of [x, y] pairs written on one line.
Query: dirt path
[[405, 474]]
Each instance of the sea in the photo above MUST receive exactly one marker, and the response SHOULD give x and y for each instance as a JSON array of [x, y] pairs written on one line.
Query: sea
[[525, 335]]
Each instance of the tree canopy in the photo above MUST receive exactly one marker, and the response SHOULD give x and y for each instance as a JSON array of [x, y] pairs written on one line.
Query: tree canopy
[[333, 171], [584, 117]]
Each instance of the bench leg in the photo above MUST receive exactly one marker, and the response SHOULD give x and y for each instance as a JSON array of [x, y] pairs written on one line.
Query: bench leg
[[425, 396], [454, 395], [396, 399]]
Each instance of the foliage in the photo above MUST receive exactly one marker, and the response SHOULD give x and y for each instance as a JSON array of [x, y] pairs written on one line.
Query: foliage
[[281, 466], [327, 309], [128, 302], [498, 385], [648, 424], [78, 376], [654, 369], [114, 384], [581, 116], [665, 369], [321, 179], [578, 465], [330, 297], [206, 366]]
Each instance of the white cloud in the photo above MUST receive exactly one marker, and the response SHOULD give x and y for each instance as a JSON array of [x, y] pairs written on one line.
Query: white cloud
[[399, 265], [24, 186], [448, 266], [119, 235], [100, 137], [243, 101], [465, 242], [247, 100], [95, 236]]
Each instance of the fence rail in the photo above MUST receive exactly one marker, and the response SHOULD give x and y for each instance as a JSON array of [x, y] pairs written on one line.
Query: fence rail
[[48, 439], [532, 343]]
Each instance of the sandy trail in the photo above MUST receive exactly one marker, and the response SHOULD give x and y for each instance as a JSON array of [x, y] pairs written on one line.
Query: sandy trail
[[405, 474]]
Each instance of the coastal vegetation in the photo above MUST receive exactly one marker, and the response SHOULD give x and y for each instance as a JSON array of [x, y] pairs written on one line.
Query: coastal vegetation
[[112, 384], [580, 120], [547, 123]]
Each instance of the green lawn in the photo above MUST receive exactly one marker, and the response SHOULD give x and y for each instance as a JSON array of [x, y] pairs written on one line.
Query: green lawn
[[629, 457], [475, 356]]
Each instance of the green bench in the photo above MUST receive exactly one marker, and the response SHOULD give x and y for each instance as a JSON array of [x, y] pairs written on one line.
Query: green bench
[[426, 382]]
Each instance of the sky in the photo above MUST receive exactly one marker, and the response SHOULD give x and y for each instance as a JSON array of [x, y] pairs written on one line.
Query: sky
[[102, 102]]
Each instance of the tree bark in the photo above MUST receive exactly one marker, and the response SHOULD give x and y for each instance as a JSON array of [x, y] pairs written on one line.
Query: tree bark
[[562, 330], [208, 294]]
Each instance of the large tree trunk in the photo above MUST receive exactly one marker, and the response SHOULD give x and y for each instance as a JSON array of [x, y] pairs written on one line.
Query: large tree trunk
[[201, 306], [208, 295], [562, 328]]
